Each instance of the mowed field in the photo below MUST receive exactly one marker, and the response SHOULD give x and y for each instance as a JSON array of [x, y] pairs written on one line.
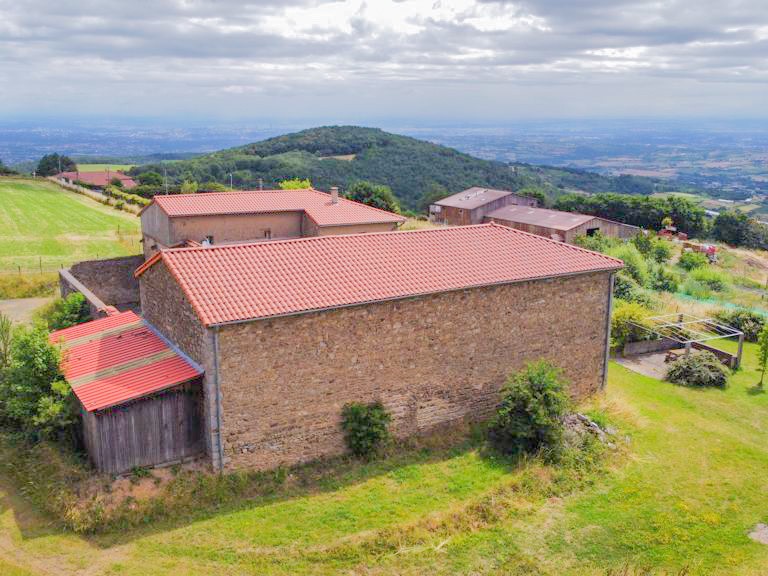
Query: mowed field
[[42, 225], [679, 498]]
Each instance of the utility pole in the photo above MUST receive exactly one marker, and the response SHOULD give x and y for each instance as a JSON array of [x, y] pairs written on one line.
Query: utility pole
[[261, 184], [231, 187], [165, 179]]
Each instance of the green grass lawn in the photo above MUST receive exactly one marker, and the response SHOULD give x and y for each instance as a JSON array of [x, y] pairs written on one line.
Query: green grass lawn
[[102, 167], [682, 495], [40, 223]]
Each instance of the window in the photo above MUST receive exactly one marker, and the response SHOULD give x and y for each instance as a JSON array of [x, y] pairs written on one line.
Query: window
[[592, 231], [268, 234]]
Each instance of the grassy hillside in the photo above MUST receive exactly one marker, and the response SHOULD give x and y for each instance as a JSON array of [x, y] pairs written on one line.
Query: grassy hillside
[[686, 495], [340, 155], [42, 224]]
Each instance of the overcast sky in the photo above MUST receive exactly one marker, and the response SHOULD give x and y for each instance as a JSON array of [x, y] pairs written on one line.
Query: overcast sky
[[430, 59]]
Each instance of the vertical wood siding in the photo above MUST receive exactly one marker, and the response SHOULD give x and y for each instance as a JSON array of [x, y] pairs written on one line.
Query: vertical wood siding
[[164, 428]]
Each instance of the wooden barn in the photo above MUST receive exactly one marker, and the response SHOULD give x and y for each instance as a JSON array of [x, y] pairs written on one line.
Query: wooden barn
[[140, 398], [471, 205], [558, 225]]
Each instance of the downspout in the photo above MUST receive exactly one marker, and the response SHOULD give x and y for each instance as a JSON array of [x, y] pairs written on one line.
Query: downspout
[[609, 311], [217, 389]]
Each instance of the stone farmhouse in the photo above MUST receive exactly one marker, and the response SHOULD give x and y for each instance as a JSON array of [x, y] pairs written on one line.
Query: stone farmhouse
[[246, 353], [228, 217], [471, 205], [480, 205]]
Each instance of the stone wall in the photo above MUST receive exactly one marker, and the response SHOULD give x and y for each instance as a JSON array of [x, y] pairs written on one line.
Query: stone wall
[[111, 280], [164, 305], [431, 360]]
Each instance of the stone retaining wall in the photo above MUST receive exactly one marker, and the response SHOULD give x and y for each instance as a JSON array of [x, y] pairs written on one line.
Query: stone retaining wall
[[104, 282]]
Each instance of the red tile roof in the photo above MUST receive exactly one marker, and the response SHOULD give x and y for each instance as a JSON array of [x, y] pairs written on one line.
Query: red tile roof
[[99, 178], [250, 281], [317, 205], [119, 358]]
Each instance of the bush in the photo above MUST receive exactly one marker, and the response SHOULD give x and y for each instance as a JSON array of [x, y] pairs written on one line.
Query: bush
[[365, 427], [751, 323], [597, 242], [625, 288], [711, 279], [699, 370], [529, 417], [663, 279], [67, 312], [34, 397], [690, 260], [634, 263], [662, 251], [625, 319]]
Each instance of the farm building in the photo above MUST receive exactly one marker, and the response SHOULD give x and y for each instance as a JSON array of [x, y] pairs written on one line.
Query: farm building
[[228, 217], [428, 322], [471, 205], [557, 225], [140, 398], [97, 179]]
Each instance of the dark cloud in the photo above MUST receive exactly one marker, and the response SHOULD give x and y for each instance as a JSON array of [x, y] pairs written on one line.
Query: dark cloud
[[437, 57]]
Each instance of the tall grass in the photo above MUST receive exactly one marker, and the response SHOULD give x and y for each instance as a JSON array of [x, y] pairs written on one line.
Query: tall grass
[[27, 286]]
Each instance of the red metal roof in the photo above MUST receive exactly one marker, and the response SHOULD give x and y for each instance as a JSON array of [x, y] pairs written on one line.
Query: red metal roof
[[317, 205], [99, 178], [119, 358], [249, 281]]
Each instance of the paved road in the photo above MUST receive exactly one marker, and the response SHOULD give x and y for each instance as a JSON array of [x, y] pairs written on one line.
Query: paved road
[[22, 309]]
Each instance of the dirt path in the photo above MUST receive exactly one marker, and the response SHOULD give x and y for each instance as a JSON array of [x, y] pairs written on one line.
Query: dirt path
[[22, 309]]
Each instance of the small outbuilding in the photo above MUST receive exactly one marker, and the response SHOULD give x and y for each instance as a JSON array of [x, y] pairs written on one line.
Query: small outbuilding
[[140, 397], [558, 225]]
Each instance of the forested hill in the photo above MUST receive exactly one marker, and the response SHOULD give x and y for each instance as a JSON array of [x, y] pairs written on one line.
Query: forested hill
[[341, 155]]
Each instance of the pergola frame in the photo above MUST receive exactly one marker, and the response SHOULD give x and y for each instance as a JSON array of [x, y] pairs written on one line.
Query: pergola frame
[[687, 330]]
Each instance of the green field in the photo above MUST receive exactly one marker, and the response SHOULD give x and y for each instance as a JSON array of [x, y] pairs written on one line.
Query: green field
[[102, 167], [690, 487], [42, 225]]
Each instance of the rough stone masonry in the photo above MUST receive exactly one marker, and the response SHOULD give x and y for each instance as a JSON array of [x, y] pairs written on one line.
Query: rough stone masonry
[[431, 360]]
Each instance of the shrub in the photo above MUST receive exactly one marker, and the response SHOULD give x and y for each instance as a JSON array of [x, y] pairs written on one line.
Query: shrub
[[66, 312], [598, 242], [662, 251], [663, 279], [634, 263], [699, 370], [696, 289], [529, 417], [751, 323], [365, 427], [625, 288], [690, 260], [33, 394], [625, 319], [711, 279]]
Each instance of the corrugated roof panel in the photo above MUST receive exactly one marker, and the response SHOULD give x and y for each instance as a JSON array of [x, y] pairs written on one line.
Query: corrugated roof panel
[[117, 359], [249, 281], [544, 217]]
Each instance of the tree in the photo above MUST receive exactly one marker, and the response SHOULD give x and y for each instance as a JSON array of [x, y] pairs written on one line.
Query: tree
[[150, 179], [189, 187], [295, 184], [376, 195], [534, 192], [763, 354], [4, 170], [52, 164], [116, 182], [431, 195]]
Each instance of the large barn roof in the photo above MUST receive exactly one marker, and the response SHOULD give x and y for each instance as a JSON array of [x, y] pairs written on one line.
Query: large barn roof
[[317, 205], [250, 281], [119, 358], [554, 219], [472, 198]]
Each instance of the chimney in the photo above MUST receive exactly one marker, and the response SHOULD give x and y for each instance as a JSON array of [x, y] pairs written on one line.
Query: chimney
[[334, 194]]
